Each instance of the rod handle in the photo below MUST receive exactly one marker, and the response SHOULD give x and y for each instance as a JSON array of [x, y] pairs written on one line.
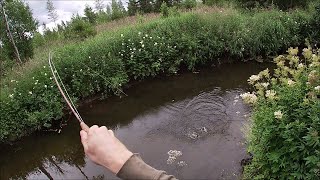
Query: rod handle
[[84, 127]]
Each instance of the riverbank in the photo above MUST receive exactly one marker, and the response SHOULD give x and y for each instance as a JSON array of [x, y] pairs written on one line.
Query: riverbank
[[105, 63]]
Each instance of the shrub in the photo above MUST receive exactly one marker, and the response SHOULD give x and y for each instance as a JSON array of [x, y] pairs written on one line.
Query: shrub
[[189, 4], [282, 4], [79, 29], [284, 137], [164, 9], [109, 60]]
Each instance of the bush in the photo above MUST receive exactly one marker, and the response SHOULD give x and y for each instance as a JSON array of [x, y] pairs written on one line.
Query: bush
[[79, 29], [189, 4], [284, 137], [282, 4], [164, 9], [109, 60]]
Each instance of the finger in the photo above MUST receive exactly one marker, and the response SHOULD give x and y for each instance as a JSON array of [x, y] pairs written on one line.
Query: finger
[[92, 130], [111, 133], [103, 128], [84, 127], [84, 138]]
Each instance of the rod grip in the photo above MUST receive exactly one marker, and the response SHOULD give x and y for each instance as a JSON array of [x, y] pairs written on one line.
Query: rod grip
[[84, 127]]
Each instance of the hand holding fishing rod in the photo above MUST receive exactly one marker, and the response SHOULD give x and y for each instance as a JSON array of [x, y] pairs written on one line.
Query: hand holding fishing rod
[[103, 148]]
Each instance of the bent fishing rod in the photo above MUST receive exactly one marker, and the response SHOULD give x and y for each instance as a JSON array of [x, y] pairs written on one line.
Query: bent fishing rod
[[65, 94]]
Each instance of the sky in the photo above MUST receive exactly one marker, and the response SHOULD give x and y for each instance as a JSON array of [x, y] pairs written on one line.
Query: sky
[[65, 9]]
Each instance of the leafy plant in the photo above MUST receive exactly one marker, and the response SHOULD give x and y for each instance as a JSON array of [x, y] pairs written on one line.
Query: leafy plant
[[284, 137]]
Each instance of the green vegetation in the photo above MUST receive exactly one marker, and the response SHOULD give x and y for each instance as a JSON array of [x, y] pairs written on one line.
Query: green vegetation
[[30, 100], [284, 137], [21, 25]]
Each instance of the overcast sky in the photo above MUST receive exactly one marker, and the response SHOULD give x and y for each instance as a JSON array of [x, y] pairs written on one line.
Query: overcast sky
[[65, 9]]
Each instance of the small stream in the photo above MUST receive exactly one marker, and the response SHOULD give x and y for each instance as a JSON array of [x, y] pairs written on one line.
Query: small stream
[[199, 114]]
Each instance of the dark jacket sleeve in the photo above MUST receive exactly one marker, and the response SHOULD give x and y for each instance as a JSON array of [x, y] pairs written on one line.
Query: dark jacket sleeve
[[136, 168]]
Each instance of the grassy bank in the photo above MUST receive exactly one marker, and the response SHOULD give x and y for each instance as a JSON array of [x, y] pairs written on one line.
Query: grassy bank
[[103, 64]]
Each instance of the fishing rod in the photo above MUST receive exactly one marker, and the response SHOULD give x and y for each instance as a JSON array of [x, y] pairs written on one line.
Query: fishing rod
[[65, 94]]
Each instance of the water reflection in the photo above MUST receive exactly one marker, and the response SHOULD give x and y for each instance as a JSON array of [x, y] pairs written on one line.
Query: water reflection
[[198, 114]]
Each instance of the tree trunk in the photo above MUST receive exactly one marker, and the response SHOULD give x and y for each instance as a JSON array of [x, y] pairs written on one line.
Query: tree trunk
[[10, 35]]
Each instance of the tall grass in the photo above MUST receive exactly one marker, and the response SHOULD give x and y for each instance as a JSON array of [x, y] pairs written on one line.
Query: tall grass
[[30, 100]]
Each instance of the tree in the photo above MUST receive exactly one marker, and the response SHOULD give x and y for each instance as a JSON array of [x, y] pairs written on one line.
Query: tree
[[99, 5], [118, 10], [90, 15], [16, 18], [52, 13], [146, 6], [132, 7]]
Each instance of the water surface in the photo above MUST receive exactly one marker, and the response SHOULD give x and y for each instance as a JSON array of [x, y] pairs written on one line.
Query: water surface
[[199, 114]]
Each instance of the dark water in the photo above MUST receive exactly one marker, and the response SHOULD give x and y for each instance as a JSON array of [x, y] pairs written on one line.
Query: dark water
[[200, 115]]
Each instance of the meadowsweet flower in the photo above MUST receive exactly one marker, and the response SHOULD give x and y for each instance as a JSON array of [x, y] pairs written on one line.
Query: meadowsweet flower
[[139, 33], [278, 114], [122, 44], [265, 85], [50, 78], [142, 45], [80, 70], [307, 53], [253, 79], [317, 88], [12, 80], [11, 96], [30, 92], [146, 35], [141, 42], [45, 86], [300, 66], [249, 98], [150, 37], [44, 67], [45, 74], [271, 94], [290, 82], [155, 43], [293, 51], [121, 35]]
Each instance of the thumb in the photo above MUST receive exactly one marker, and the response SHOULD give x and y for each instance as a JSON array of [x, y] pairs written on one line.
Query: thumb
[[84, 138]]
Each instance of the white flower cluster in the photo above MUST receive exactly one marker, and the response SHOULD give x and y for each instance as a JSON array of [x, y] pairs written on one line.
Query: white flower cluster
[[290, 82], [271, 94], [253, 79], [249, 98], [278, 114]]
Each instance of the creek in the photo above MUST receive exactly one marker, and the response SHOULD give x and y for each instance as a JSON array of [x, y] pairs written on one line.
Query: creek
[[199, 114]]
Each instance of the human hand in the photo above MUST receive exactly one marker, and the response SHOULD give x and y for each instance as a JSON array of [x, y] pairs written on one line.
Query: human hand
[[103, 148]]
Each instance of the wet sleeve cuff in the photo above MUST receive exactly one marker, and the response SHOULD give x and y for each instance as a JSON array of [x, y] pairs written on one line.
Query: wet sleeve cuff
[[136, 168]]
